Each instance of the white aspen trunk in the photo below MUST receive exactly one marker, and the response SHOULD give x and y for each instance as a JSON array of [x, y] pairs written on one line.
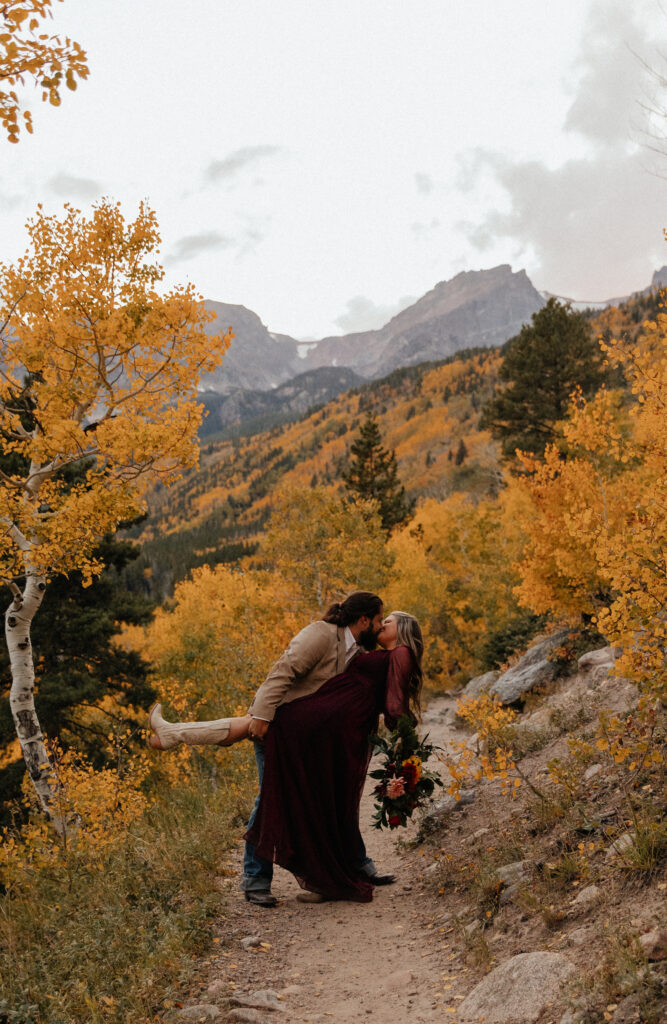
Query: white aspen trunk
[[18, 620]]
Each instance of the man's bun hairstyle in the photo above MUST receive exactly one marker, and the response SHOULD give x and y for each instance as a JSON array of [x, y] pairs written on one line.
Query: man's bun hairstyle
[[353, 608]]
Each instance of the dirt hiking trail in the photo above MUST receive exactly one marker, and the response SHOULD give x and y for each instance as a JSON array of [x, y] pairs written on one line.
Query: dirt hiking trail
[[495, 916], [347, 962]]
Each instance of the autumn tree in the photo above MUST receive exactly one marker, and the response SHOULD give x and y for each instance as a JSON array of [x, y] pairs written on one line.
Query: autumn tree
[[454, 570], [29, 54], [88, 684], [372, 473], [320, 548], [553, 356], [98, 371]]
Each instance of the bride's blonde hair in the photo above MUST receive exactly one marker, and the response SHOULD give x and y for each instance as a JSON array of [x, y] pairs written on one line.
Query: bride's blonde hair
[[409, 634]]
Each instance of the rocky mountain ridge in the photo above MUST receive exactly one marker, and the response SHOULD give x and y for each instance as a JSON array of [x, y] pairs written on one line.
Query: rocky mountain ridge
[[475, 308]]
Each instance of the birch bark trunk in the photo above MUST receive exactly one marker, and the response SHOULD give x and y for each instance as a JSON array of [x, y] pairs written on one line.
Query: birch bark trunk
[[18, 620]]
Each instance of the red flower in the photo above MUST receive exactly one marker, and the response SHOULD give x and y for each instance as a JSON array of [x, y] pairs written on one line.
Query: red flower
[[410, 773], [394, 820]]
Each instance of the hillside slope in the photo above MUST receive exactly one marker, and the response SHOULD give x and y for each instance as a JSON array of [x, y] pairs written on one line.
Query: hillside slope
[[429, 414]]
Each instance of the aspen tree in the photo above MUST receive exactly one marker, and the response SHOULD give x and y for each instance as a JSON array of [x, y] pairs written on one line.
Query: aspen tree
[[97, 371]]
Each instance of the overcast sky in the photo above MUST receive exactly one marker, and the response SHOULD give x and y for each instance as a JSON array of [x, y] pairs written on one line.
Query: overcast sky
[[324, 162]]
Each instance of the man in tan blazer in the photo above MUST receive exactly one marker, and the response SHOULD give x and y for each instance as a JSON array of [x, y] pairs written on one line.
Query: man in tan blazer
[[316, 654]]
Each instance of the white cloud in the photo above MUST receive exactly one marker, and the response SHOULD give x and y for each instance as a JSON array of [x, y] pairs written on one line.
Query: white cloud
[[71, 187], [190, 246], [232, 165], [362, 314], [424, 183], [588, 227]]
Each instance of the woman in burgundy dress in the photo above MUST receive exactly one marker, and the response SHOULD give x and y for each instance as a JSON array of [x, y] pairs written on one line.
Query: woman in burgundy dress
[[317, 755]]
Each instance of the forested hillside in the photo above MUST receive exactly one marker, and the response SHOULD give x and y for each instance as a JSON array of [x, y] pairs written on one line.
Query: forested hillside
[[429, 414]]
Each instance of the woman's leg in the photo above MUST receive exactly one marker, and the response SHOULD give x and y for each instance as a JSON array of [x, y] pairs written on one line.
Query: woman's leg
[[221, 732]]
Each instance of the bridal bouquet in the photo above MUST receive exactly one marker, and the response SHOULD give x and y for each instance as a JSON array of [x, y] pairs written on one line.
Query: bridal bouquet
[[403, 782]]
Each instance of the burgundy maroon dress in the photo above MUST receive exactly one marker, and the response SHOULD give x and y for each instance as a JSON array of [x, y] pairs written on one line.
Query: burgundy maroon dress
[[317, 755]]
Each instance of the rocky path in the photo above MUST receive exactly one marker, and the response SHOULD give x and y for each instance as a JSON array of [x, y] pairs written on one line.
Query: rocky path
[[343, 962]]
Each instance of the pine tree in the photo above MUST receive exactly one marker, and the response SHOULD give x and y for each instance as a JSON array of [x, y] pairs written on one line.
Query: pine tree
[[551, 357], [461, 453], [372, 473]]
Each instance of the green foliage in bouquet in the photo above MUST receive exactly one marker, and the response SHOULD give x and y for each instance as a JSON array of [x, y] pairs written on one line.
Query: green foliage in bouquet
[[403, 782]]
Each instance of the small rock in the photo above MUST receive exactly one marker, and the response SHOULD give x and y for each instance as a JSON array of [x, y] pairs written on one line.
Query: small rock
[[588, 896], [620, 847], [476, 835], [247, 1016], [568, 1018], [471, 928], [250, 941], [654, 944], [262, 999], [446, 805], [202, 1011], [216, 988], [517, 871], [579, 937], [432, 868], [509, 894], [628, 1011], [518, 990], [591, 772], [604, 656], [290, 990], [397, 981]]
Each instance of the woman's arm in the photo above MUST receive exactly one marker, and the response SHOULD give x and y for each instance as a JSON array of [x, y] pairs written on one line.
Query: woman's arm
[[398, 679]]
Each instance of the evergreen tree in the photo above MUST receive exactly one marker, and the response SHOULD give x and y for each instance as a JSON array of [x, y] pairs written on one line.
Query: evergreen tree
[[550, 357], [461, 453], [372, 473]]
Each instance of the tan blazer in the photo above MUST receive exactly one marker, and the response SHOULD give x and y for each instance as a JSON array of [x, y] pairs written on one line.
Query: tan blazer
[[314, 655]]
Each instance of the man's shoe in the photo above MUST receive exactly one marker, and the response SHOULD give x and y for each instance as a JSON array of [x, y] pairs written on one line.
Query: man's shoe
[[381, 879], [311, 897], [261, 898]]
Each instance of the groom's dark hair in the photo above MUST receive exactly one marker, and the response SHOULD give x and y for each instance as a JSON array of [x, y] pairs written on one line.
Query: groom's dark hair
[[355, 605]]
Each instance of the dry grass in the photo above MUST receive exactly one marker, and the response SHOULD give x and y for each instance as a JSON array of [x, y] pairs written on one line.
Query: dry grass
[[110, 946]]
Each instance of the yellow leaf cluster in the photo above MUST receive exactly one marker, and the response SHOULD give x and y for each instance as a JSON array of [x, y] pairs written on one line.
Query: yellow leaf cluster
[[454, 571], [99, 372], [99, 807], [596, 520], [29, 54]]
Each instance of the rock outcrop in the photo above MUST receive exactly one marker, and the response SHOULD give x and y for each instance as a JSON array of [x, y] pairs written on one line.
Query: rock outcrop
[[518, 991]]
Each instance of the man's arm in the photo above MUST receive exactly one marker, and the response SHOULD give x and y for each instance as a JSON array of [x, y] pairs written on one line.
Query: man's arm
[[304, 652]]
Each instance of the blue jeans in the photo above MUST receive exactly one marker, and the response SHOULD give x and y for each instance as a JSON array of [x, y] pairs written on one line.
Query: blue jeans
[[257, 872]]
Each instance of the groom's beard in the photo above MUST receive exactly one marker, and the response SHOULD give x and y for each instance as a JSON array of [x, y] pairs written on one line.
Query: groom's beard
[[368, 640]]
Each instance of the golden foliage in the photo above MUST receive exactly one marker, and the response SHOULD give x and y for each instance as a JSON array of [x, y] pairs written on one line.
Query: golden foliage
[[98, 370], [596, 520], [27, 52], [320, 547], [99, 807], [454, 572]]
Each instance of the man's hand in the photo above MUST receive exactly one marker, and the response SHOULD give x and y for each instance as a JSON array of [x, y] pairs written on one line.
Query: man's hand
[[258, 728]]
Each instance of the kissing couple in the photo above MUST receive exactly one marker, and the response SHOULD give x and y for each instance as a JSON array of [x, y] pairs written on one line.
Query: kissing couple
[[311, 720]]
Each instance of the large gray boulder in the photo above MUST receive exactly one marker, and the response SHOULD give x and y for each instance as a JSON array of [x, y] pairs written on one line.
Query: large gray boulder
[[518, 991], [481, 684], [533, 670]]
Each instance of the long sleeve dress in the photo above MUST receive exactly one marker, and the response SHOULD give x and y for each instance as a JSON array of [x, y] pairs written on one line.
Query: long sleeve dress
[[317, 756]]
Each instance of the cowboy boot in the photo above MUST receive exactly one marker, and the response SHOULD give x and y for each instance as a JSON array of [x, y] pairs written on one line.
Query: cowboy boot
[[170, 734]]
